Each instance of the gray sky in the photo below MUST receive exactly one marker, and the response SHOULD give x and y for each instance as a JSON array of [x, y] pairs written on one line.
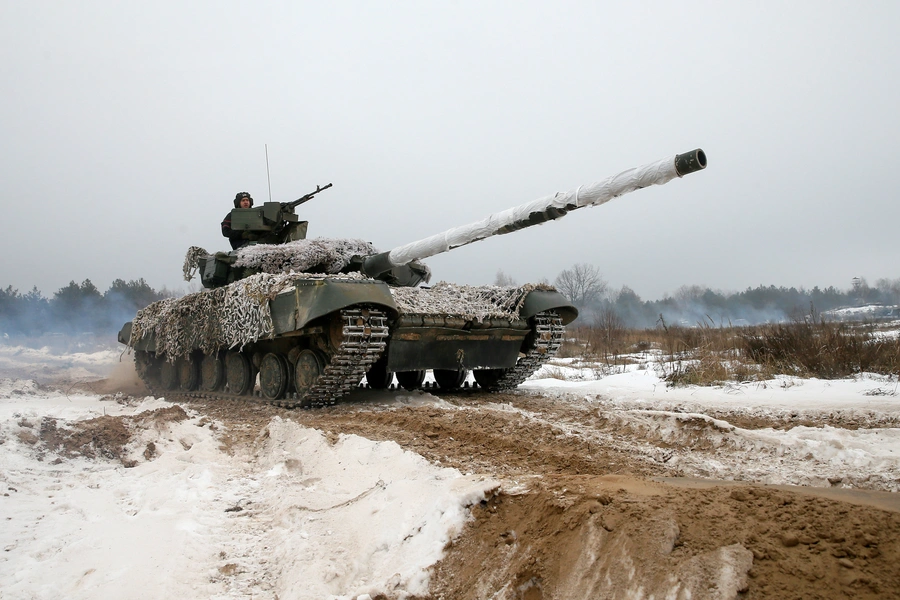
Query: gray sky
[[127, 128]]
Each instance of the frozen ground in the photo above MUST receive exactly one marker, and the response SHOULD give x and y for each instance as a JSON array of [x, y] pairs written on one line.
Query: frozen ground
[[113, 496]]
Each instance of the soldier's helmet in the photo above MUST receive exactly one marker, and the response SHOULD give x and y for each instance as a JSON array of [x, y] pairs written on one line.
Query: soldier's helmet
[[240, 196]]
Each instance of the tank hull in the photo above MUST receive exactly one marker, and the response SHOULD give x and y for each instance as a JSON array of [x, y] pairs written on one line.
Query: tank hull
[[339, 329], [421, 341]]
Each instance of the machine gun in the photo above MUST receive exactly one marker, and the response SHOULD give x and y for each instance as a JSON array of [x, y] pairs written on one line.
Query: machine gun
[[273, 222], [290, 206]]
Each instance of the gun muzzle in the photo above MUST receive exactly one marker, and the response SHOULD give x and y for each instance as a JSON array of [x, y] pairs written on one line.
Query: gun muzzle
[[690, 162]]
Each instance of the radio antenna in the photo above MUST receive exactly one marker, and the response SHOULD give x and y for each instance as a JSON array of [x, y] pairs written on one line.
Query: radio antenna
[[268, 179]]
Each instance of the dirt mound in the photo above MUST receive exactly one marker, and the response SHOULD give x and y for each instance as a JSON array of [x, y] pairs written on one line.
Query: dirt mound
[[105, 436], [602, 537]]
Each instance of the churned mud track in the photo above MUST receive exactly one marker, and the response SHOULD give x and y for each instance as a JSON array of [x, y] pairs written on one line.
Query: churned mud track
[[587, 509], [505, 435]]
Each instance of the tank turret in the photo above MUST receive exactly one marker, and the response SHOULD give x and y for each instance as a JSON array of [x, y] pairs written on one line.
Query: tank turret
[[310, 318], [272, 223]]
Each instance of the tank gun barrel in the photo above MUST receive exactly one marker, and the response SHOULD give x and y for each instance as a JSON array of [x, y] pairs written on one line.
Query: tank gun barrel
[[539, 211]]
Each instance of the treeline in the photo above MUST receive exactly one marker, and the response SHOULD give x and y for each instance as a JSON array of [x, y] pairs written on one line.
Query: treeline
[[692, 305], [74, 309], [584, 285]]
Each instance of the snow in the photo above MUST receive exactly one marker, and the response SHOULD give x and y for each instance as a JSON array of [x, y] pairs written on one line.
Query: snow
[[862, 313], [641, 384], [358, 515], [102, 529], [305, 517], [311, 515]]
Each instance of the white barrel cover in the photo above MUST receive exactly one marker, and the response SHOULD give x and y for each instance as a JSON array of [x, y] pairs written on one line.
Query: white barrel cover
[[656, 173]]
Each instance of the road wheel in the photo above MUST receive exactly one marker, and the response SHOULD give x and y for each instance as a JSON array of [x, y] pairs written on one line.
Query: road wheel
[[449, 379], [378, 375], [212, 372], [239, 376], [147, 366], [168, 375], [489, 378], [188, 373], [274, 376], [411, 380], [308, 367]]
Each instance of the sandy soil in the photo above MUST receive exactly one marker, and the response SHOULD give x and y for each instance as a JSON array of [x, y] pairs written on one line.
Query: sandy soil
[[591, 508]]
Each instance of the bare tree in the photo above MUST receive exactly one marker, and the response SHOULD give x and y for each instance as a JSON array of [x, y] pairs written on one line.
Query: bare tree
[[689, 293], [890, 290], [582, 284], [607, 333], [504, 280]]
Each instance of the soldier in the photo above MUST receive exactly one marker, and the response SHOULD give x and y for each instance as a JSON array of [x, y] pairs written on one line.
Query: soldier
[[237, 238]]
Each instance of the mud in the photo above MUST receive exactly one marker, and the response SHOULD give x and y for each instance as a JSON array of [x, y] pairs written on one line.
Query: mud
[[789, 419], [105, 436], [594, 506], [606, 537]]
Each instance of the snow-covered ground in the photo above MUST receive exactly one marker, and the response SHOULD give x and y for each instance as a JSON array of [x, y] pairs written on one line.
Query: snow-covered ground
[[305, 517], [310, 515], [641, 385], [863, 452], [863, 313]]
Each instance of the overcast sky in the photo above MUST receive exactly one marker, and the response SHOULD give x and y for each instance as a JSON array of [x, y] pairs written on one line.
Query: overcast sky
[[127, 129]]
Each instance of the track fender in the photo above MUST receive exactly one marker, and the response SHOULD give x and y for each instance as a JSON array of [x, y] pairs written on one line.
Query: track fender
[[310, 299], [541, 300]]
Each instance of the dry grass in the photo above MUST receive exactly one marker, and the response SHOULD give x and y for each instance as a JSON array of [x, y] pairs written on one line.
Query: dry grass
[[823, 349], [712, 355], [554, 372]]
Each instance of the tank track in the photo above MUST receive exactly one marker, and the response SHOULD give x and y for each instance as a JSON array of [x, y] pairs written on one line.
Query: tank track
[[365, 333], [549, 330]]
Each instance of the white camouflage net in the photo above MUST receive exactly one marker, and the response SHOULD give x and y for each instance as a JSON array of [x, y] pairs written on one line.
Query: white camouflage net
[[469, 302], [319, 255], [191, 266], [231, 316]]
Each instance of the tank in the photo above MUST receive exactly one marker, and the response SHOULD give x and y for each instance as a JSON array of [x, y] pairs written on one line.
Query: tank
[[300, 322]]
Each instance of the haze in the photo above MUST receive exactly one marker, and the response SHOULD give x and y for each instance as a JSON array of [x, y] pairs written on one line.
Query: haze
[[128, 129]]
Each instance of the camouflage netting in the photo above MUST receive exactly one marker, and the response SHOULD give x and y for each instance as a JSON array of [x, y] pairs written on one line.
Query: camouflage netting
[[470, 302], [319, 255], [190, 261], [230, 317], [238, 314]]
